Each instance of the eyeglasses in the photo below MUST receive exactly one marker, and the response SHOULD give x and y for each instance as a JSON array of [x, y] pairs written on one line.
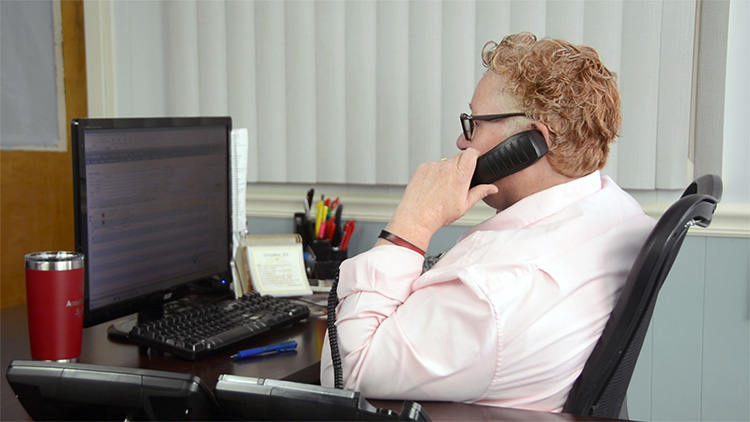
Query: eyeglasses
[[468, 125]]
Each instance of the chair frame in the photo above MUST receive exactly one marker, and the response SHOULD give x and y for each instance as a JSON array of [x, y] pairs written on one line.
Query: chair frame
[[601, 388]]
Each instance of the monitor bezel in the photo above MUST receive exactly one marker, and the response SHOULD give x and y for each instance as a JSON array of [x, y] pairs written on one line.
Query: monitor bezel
[[148, 305]]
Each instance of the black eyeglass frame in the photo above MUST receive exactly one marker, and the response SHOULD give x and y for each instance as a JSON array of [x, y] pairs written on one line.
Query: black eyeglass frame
[[468, 125]]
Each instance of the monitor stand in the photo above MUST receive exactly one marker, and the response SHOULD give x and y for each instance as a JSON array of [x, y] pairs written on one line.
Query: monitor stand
[[119, 329]]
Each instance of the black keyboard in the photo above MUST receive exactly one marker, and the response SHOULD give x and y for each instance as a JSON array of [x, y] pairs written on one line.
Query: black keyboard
[[194, 332]]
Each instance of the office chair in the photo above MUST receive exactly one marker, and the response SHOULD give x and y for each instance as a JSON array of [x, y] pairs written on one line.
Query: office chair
[[600, 389]]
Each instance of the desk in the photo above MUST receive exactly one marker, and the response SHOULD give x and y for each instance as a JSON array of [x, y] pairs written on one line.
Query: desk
[[302, 366], [98, 349]]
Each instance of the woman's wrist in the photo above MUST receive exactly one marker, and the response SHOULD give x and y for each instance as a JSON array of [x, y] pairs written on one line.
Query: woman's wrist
[[400, 241]]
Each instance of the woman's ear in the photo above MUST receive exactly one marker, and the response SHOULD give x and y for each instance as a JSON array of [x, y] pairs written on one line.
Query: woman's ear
[[541, 127]]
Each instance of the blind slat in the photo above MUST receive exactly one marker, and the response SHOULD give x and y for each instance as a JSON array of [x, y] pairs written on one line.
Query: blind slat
[[141, 66], [639, 88], [711, 75], [457, 78], [528, 16], [392, 131], [675, 74], [565, 20], [492, 24], [270, 43], [299, 67], [183, 97], [425, 75], [241, 95], [602, 29], [212, 58], [330, 99], [360, 92]]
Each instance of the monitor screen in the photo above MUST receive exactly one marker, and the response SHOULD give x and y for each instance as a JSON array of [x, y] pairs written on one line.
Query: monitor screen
[[152, 209]]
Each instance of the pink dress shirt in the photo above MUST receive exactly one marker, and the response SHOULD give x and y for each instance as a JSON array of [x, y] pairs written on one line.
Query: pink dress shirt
[[507, 317]]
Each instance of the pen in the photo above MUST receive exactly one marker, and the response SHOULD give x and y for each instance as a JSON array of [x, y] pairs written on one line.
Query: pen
[[339, 231], [310, 194], [276, 348], [330, 229], [348, 230]]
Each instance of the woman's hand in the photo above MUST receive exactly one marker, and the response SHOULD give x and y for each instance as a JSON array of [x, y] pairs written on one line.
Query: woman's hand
[[437, 195]]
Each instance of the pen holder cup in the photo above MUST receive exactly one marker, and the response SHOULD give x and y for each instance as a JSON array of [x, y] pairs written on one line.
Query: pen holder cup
[[327, 258], [305, 228]]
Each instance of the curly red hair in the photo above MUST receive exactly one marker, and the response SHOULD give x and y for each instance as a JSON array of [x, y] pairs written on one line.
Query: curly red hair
[[566, 87]]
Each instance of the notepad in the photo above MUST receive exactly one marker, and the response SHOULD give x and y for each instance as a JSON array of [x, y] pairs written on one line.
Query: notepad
[[275, 265]]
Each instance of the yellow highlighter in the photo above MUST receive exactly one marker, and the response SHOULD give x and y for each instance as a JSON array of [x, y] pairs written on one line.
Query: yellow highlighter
[[323, 219], [318, 217]]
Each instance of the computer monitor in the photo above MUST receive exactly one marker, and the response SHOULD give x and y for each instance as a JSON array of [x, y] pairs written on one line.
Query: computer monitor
[[70, 391], [152, 201]]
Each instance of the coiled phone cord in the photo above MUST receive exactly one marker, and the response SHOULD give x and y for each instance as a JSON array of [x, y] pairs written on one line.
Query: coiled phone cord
[[333, 337]]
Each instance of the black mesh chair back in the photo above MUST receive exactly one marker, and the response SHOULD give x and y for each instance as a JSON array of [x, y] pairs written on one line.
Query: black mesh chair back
[[600, 389]]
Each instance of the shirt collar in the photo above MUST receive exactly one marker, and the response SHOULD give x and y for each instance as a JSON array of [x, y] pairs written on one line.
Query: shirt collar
[[541, 204]]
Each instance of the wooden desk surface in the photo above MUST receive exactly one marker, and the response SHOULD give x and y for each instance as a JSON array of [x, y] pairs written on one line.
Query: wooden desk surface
[[301, 366]]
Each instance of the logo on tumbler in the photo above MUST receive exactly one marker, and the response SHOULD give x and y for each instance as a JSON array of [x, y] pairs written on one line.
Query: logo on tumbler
[[74, 303]]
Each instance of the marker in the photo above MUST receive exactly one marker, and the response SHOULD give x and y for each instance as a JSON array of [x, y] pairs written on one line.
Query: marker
[[334, 204], [330, 229], [318, 218], [276, 348], [322, 230], [323, 219]]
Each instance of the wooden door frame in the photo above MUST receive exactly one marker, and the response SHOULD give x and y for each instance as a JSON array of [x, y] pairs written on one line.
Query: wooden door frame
[[36, 187]]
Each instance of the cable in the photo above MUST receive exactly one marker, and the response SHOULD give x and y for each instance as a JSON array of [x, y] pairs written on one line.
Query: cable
[[333, 337]]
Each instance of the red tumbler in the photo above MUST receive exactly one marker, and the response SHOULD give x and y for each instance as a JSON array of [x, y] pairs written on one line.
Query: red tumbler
[[54, 296]]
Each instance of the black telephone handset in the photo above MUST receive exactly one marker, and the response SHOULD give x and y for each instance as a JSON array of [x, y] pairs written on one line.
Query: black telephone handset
[[510, 156]]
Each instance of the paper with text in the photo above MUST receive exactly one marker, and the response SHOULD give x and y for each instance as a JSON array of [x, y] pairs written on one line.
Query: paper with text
[[276, 265]]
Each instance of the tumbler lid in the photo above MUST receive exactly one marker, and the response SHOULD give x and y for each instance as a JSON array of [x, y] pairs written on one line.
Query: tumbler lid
[[54, 260]]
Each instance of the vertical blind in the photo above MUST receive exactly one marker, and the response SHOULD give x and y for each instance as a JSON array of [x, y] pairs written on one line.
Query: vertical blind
[[361, 92]]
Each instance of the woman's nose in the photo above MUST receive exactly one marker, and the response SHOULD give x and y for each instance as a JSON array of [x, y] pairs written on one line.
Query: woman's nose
[[462, 143]]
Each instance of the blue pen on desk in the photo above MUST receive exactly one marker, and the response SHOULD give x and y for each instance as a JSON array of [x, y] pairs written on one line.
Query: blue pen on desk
[[276, 348]]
